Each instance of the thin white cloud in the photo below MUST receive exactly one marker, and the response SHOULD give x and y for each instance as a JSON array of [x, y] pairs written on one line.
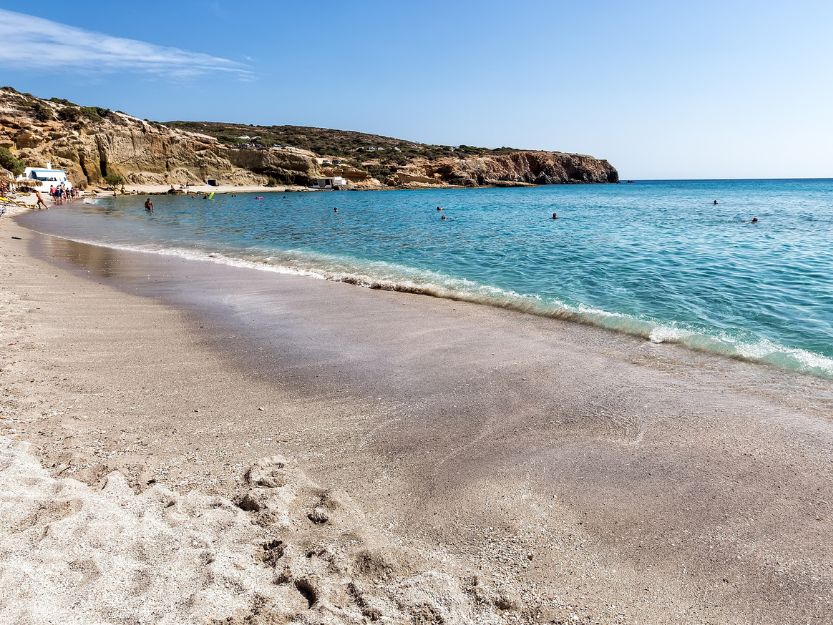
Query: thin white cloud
[[37, 43]]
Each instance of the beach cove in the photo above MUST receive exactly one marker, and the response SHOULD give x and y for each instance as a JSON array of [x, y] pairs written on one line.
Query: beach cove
[[579, 472]]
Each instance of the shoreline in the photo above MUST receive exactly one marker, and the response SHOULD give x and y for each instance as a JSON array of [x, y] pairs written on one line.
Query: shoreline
[[164, 189], [789, 360], [481, 432]]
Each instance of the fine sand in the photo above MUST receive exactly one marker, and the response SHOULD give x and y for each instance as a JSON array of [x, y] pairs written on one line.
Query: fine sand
[[443, 462]]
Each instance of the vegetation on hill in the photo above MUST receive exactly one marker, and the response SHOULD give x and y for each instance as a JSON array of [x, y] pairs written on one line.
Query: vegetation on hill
[[330, 142], [380, 156], [10, 162]]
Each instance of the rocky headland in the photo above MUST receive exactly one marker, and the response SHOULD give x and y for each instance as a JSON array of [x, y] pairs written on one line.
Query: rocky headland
[[100, 147]]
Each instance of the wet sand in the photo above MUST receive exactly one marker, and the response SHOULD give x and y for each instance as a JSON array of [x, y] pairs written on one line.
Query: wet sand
[[604, 477]]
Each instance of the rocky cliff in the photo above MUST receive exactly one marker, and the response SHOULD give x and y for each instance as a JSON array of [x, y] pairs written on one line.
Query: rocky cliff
[[101, 147], [95, 145], [516, 168]]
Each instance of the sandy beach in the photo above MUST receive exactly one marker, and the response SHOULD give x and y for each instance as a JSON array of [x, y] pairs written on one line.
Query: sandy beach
[[426, 460]]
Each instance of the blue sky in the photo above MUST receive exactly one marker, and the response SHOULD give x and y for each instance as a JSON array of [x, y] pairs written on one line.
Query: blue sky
[[663, 90]]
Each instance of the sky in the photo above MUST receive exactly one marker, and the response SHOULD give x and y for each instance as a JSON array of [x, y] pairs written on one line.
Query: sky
[[728, 89]]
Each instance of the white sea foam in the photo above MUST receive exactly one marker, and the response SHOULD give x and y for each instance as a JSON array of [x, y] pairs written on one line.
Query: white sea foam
[[789, 357], [668, 334]]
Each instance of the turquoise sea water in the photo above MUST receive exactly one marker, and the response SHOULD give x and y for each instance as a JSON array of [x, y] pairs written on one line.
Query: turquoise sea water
[[655, 259]]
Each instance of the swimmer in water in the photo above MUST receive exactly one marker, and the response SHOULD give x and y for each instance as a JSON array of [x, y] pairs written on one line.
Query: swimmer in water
[[335, 209], [148, 205], [555, 215], [714, 203], [754, 220], [443, 218], [439, 208]]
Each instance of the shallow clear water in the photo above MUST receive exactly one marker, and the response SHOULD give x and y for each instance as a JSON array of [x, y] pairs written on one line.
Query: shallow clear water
[[656, 259]]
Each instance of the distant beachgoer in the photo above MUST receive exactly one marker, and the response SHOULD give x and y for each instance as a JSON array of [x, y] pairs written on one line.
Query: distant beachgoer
[[754, 220], [555, 215], [439, 208], [40, 202], [715, 202], [335, 209], [443, 218], [148, 205]]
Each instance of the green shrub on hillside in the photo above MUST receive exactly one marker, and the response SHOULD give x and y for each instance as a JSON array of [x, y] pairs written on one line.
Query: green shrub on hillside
[[42, 113], [95, 113], [11, 162], [114, 179], [69, 113], [63, 101]]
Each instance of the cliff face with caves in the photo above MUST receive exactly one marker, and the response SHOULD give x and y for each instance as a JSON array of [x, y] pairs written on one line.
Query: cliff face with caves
[[100, 147]]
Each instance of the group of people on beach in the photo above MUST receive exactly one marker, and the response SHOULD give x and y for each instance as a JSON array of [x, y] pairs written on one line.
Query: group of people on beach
[[58, 193], [61, 194]]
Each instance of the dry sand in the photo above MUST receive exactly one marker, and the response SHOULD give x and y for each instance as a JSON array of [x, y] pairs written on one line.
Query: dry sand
[[285, 551], [579, 475]]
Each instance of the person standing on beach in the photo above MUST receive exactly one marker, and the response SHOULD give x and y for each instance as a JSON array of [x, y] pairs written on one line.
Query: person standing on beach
[[40, 203]]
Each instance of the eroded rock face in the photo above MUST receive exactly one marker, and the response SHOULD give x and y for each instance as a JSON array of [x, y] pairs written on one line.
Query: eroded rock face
[[523, 167], [139, 151], [286, 167], [27, 139]]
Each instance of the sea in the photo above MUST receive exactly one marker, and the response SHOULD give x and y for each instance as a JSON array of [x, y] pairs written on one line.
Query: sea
[[655, 259]]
